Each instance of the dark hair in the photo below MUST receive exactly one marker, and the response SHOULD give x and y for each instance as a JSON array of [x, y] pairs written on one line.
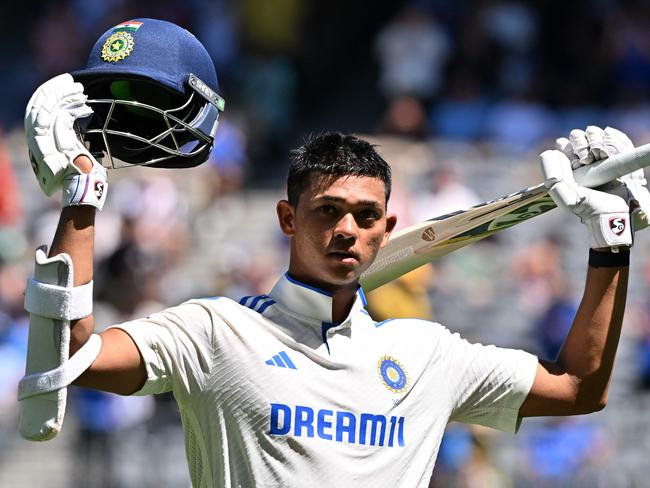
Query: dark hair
[[336, 154]]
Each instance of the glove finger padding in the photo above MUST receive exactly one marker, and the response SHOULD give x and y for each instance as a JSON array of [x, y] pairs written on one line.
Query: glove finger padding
[[616, 142], [631, 187], [597, 147], [49, 127], [580, 144], [605, 215]]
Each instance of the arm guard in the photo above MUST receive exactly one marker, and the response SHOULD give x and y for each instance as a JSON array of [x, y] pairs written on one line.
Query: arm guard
[[52, 302]]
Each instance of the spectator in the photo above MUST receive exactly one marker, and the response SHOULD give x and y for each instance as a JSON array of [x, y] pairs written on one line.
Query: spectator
[[412, 51]]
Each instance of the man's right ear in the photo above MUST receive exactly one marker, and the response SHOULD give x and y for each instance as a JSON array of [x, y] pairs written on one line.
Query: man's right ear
[[286, 217]]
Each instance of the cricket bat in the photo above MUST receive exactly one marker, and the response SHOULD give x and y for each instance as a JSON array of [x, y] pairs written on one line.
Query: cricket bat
[[422, 243]]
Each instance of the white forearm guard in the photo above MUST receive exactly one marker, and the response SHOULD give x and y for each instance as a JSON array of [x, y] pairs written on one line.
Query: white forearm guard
[[52, 302]]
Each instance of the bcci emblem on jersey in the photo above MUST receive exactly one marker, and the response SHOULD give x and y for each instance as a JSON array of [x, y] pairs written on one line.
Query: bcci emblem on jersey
[[392, 374]]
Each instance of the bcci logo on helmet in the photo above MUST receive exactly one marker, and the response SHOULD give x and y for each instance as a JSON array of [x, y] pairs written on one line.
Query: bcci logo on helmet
[[617, 225], [392, 374], [118, 46]]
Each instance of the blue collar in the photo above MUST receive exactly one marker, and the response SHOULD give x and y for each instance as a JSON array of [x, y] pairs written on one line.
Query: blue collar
[[309, 301]]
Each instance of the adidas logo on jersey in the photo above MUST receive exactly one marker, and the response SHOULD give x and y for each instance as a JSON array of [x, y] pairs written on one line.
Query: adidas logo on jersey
[[282, 360], [258, 303]]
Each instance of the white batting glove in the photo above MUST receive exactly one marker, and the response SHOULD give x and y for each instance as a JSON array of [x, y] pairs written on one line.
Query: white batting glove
[[53, 143], [595, 144], [605, 213]]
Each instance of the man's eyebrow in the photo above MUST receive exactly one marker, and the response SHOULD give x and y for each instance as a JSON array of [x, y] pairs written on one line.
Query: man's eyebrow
[[331, 198]]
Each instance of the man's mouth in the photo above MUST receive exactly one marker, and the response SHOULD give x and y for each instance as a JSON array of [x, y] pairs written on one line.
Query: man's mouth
[[345, 257]]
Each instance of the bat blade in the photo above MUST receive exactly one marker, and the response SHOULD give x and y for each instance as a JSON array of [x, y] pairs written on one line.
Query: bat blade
[[421, 243]]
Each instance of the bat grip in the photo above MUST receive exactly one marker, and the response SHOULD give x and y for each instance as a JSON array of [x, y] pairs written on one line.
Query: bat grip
[[598, 174]]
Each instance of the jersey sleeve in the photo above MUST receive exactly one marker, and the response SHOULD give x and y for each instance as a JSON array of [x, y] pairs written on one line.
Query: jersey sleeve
[[487, 384], [177, 347]]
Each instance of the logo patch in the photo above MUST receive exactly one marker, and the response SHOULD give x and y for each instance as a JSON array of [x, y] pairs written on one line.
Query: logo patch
[[118, 46], [617, 225], [99, 189], [428, 234], [392, 374], [282, 360]]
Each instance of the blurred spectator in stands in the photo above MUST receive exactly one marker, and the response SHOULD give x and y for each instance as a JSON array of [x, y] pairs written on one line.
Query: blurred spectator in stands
[[123, 276], [521, 122], [55, 41], [13, 337], [461, 111], [627, 55], [538, 269], [555, 321], [406, 117], [631, 114], [465, 460], [405, 297], [272, 26], [412, 51], [455, 451], [102, 418], [10, 210], [641, 335], [444, 193], [481, 469], [626, 46], [643, 355], [267, 85], [228, 159], [545, 296], [561, 451], [217, 25], [512, 26]]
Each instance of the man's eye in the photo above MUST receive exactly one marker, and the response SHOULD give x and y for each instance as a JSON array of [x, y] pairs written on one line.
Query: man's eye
[[326, 210], [369, 214]]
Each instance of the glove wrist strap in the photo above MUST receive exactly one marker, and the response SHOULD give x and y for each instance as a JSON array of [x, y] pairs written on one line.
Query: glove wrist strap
[[86, 188], [609, 259]]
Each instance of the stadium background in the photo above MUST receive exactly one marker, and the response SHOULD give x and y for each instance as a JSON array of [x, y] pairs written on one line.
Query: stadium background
[[461, 97]]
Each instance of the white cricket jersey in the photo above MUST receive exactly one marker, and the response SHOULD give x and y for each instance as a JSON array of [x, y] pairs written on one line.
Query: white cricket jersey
[[272, 393]]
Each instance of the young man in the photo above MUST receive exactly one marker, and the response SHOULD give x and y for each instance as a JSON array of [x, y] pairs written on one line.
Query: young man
[[301, 387]]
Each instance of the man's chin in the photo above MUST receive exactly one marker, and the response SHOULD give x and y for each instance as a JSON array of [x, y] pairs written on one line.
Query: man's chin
[[344, 275]]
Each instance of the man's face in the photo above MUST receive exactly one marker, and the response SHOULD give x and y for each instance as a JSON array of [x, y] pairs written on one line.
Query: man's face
[[336, 229]]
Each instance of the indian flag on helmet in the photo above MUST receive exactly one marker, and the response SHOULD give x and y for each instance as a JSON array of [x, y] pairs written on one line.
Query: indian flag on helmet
[[129, 26]]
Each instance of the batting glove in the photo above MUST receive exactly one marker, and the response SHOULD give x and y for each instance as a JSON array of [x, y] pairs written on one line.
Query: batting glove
[[596, 144], [53, 144], [605, 211]]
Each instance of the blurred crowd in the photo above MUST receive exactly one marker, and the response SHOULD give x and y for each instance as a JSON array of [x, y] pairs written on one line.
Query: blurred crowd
[[460, 96]]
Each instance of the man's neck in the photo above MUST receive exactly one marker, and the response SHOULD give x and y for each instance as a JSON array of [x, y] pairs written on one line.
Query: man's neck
[[343, 297], [342, 301]]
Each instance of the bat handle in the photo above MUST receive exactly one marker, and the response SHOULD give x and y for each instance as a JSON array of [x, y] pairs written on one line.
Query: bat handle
[[597, 174]]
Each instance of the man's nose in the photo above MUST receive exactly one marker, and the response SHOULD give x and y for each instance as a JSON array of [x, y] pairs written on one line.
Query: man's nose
[[346, 227]]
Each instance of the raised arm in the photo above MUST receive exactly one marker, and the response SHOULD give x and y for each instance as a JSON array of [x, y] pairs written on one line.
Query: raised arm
[[577, 381], [59, 296], [118, 368]]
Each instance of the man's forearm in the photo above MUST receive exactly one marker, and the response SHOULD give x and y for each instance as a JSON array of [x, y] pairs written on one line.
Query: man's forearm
[[589, 350], [75, 235]]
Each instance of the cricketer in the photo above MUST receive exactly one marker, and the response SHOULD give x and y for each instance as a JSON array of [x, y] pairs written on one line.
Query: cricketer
[[299, 386]]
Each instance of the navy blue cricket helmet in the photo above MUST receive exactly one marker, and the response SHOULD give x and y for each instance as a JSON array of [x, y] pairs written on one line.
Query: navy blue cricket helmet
[[153, 89]]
